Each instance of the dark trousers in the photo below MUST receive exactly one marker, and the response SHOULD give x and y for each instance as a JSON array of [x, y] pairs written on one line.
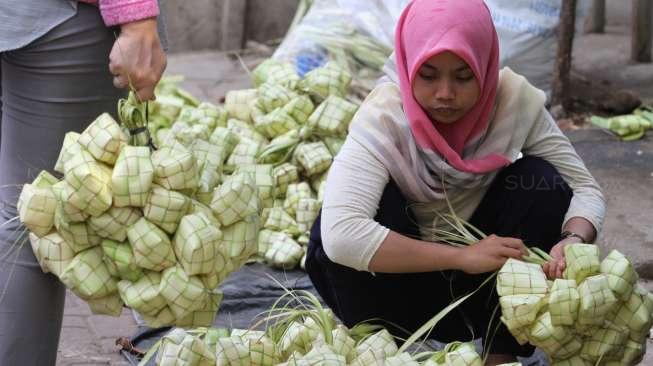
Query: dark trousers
[[527, 200]]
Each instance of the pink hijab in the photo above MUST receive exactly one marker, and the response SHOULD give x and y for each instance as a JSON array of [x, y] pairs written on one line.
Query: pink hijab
[[465, 28]]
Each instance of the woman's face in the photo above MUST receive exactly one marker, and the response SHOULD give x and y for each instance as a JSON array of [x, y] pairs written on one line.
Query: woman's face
[[446, 88]]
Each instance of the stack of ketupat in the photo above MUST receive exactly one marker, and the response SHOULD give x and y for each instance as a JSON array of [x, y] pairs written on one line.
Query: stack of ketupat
[[628, 127], [285, 133], [130, 226], [302, 336], [596, 315]]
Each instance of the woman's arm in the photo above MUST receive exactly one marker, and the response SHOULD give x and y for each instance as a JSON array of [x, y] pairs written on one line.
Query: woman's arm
[[548, 142], [400, 254], [351, 236], [587, 208]]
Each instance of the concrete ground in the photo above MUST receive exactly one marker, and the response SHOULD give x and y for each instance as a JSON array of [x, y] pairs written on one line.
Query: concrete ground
[[625, 171]]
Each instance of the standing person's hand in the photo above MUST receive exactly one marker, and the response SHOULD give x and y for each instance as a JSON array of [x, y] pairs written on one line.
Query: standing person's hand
[[490, 254], [137, 57]]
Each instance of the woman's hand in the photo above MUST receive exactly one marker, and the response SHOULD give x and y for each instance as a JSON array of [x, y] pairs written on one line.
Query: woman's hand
[[556, 267], [490, 254], [137, 57]]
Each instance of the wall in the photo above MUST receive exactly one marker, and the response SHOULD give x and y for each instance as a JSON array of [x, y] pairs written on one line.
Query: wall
[[269, 19], [225, 24], [193, 25]]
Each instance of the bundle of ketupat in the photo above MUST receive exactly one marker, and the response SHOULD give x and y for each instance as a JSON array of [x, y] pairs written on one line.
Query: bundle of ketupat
[[284, 132], [628, 127], [596, 314], [125, 225], [299, 331]]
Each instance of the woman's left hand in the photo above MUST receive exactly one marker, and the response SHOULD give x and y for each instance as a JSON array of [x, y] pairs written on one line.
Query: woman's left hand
[[556, 267]]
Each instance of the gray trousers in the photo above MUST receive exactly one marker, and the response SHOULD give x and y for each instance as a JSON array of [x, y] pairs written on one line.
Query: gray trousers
[[58, 83]]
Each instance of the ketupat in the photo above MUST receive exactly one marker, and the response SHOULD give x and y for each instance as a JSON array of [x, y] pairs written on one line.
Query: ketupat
[[322, 82], [583, 261], [104, 139], [314, 157], [119, 259], [239, 240], [235, 199], [90, 182], [113, 223], [86, 212], [175, 168], [621, 274], [151, 245], [332, 117], [237, 103], [294, 193], [53, 253], [132, 177], [88, 276], [582, 324], [275, 72], [518, 278], [183, 293], [564, 301], [521, 310], [284, 252], [165, 208], [197, 244], [37, 204], [143, 295]]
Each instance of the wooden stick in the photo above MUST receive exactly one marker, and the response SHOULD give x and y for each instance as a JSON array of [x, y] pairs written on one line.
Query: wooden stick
[[640, 50], [560, 94]]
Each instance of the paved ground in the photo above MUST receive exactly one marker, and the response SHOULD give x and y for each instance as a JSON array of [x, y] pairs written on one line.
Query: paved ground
[[625, 170]]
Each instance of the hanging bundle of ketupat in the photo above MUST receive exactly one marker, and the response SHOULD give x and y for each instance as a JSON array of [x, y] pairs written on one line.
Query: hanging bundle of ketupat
[[596, 315], [154, 230]]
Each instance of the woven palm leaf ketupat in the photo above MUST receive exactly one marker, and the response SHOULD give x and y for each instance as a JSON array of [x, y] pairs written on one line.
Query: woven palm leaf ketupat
[[596, 314], [113, 223], [275, 72], [132, 177], [104, 139], [237, 103]]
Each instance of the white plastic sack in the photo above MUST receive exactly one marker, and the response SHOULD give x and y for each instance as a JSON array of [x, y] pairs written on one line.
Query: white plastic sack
[[528, 38], [527, 32]]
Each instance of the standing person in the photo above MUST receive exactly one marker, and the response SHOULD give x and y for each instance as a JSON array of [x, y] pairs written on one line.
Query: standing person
[[446, 119], [62, 64]]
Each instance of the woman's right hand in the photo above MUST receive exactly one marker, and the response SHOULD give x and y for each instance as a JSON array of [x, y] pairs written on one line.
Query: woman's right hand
[[490, 254]]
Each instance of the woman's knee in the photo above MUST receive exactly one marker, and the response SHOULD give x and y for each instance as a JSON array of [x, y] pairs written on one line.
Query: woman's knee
[[536, 176]]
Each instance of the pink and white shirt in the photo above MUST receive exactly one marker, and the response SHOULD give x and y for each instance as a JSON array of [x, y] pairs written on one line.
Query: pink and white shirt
[[116, 12]]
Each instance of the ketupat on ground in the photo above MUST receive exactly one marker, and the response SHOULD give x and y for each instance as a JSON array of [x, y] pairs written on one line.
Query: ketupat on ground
[[623, 169]]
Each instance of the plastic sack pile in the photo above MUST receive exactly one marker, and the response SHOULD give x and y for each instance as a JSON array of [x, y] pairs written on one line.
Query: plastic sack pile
[[285, 133], [596, 315], [130, 226]]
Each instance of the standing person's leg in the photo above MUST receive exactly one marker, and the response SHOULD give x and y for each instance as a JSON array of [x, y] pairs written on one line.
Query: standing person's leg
[[58, 83], [527, 200]]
